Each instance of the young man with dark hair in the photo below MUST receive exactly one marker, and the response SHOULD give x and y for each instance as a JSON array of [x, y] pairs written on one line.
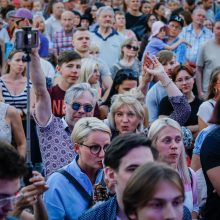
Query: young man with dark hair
[[69, 64]]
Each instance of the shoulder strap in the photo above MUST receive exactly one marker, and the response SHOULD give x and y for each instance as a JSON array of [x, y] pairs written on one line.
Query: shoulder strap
[[212, 104], [77, 185], [191, 177]]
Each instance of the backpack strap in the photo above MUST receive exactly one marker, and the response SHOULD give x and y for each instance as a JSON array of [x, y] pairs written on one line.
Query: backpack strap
[[78, 186]]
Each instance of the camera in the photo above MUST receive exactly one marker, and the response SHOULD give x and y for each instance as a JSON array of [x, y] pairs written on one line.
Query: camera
[[26, 39]]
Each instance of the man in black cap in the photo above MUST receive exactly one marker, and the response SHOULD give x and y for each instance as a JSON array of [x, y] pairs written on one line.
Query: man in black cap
[[175, 25]]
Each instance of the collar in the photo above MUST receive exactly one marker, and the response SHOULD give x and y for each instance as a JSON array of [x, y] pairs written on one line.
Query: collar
[[65, 125], [190, 28], [114, 32]]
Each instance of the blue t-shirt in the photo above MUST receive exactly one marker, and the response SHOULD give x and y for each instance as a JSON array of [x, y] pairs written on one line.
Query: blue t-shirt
[[154, 46]]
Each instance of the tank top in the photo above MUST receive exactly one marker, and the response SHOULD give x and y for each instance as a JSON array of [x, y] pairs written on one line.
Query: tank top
[[5, 127]]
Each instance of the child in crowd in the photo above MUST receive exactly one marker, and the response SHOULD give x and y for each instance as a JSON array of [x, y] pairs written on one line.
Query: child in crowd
[[156, 40]]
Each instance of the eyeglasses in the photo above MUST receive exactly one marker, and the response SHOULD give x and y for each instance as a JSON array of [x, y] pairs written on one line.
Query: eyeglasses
[[12, 200], [18, 21], [87, 107], [174, 27], [96, 148], [186, 79], [128, 46]]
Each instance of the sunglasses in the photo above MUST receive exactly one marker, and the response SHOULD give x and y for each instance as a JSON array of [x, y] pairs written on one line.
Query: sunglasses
[[128, 46], [87, 107], [96, 148]]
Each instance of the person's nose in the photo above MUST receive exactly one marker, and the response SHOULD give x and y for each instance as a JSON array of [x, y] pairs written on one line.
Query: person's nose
[[102, 153], [169, 212], [125, 118]]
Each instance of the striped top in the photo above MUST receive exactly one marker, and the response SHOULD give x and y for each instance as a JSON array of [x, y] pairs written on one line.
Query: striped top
[[18, 101]]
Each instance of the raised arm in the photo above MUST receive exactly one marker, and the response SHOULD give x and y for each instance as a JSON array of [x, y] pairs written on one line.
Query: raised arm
[[43, 102]]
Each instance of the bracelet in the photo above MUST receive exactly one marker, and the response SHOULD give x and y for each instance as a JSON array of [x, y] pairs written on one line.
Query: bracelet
[[168, 83]]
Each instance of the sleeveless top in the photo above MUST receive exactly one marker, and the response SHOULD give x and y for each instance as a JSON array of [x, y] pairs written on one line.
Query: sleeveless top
[[5, 127], [18, 101]]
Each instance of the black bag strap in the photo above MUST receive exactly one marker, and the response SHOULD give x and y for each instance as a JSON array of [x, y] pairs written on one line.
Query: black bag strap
[[77, 185]]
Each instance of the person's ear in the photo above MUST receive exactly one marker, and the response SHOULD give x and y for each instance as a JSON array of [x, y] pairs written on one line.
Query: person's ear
[[77, 148], [110, 175], [58, 68], [64, 108]]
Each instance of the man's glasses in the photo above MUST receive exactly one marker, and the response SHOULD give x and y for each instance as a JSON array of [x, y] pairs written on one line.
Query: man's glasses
[[12, 200], [96, 148], [186, 79], [87, 107], [128, 46]]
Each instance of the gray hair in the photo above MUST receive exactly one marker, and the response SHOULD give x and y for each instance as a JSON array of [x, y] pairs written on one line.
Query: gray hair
[[75, 91], [104, 9], [133, 104], [85, 126]]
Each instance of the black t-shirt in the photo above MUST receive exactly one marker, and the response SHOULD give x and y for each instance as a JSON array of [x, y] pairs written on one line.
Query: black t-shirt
[[166, 108], [210, 158], [136, 24]]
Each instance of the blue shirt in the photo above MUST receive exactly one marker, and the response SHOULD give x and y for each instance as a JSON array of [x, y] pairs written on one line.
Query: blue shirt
[[180, 51], [154, 46], [62, 200], [200, 138], [189, 34]]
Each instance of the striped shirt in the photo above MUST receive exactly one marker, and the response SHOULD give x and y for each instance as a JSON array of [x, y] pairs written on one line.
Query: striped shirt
[[18, 101]]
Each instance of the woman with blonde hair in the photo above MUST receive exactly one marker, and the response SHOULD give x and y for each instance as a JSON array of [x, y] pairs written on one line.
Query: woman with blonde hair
[[166, 135], [128, 59], [91, 137], [126, 115], [89, 73]]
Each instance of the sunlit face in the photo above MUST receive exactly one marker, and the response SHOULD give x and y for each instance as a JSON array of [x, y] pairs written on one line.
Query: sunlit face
[[151, 20], [94, 78], [174, 29], [27, 4], [106, 19], [130, 50], [4, 3], [161, 10], [86, 158], [17, 65], [72, 116], [208, 24], [167, 203], [37, 6], [77, 20], [81, 41], [134, 4], [126, 120], [169, 145], [216, 30], [208, 4], [146, 8], [119, 20], [70, 71], [93, 11], [184, 82], [199, 17], [170, 65], [162, 34], [67, 21], [127, 85], [128, 164], [8, 188], [38, 22], [58, 9]]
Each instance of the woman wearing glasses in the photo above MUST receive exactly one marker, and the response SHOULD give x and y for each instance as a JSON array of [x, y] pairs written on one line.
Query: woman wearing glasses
[[67, 198], [183, 77], [128, 60]]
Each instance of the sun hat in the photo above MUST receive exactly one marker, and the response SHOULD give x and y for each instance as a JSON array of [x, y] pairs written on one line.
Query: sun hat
[[157, 25], [23, 13]]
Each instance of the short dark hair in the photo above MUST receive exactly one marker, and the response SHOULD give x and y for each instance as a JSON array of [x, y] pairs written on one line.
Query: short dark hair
[[12, 165], [68, 56], [124, 143]]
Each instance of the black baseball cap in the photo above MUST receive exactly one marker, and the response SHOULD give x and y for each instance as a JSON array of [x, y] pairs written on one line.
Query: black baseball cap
[[178, 19]]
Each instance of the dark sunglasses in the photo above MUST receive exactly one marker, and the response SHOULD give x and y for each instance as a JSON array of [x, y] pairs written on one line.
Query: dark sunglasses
[[96, 148], [87, 107], [128, 46]]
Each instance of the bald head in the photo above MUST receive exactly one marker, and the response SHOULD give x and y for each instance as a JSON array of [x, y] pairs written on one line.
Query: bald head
[[67, 21]]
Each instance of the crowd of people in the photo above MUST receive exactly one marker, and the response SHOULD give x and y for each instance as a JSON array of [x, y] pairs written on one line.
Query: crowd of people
[[122, 103]]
